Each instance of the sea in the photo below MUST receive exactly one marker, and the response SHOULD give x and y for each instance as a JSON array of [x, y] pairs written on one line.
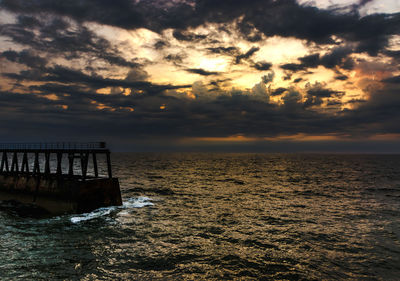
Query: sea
[[222, 216]]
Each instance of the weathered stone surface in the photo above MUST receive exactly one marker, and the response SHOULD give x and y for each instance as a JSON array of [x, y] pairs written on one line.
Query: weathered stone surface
[[60, 195]]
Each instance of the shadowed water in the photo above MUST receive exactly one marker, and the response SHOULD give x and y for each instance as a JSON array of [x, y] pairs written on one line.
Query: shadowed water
[[223, 216]]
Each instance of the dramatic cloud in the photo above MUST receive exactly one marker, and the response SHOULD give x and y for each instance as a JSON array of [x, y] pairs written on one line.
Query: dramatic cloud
[[262, 66], [26, 57], [246, 55], [180, 70], [338, 57], [394, 80], [224, 50], [186, 36], [284, 18], [201, 71], [278, 91]]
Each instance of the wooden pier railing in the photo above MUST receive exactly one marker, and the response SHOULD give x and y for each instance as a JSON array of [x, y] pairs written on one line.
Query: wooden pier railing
[[31, 152]]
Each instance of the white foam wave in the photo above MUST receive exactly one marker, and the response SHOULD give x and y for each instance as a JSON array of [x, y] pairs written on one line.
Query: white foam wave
[[92, 215], [136, 202]]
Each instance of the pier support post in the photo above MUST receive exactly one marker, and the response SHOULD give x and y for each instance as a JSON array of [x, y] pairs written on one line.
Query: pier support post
[[36, 167], [14, 163], [84, 164], [96, 171], [59, 159], [71, 164], [25, 166], [4, 162], [47, 163], [109, 165]]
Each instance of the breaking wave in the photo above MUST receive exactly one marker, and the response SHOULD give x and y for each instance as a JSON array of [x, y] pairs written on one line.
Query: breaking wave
[[135, 202]]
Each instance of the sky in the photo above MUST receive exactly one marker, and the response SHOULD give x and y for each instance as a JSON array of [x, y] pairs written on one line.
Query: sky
[[202, 75]]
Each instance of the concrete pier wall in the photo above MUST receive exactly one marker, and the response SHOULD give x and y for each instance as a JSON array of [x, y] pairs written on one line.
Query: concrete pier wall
[[59, 195]]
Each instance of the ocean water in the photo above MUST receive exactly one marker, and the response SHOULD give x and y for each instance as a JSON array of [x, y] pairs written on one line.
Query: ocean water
[[199, 216]]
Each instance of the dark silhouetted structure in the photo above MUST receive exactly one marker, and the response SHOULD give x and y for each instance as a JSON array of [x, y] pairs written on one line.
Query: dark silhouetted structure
[[35, 173]]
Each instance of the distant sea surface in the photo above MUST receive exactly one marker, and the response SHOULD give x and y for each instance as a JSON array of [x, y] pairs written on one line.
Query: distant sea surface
[[199, 216]]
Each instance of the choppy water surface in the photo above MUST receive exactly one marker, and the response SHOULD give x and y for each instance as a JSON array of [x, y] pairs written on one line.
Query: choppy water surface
[[223, 216]]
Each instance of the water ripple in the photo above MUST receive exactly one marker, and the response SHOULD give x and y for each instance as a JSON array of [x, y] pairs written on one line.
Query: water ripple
[[222, 217]]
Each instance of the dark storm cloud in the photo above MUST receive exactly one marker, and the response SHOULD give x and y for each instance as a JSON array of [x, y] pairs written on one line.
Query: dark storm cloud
[[221, 116], [246, 55], [323, 93], [317, 92], [231, 51], [313, 101], [175, 58], [289, 19], [121, 13], [237, 56], [284, 18], [28, 21], [201, 71], [55, 28], [364, 2], [393, 54], [334, 103], [188, 36], [341, 77], [79, 98], [26, 57], [310, 60], [25, 75], [62, 74], [293, 67], [393, 80], [337, 57], [249, 31], [278, 91], [288, 75], [160, 44], [380, 110], [218, 82], [262, 65], [373, 32], [356, 101], [58, 38]]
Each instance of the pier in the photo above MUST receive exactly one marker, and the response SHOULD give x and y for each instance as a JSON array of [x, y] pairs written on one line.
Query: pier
[[62, 177]]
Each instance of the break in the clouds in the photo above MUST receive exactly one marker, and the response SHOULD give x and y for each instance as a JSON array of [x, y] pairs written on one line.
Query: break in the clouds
[[189, 72]]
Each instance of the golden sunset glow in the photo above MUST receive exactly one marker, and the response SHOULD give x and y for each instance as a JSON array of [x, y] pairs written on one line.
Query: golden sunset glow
[[212, 64], [237, 138], [234, 72], [297, 138]]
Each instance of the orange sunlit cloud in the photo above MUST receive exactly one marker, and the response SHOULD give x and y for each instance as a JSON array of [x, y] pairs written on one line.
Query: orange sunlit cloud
[[233, 72]]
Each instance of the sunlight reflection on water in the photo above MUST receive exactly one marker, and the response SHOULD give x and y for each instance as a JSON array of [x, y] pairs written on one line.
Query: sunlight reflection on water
[[223, 216]]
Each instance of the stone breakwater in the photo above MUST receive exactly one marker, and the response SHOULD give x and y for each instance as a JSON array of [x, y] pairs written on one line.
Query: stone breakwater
[[61, 195]]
